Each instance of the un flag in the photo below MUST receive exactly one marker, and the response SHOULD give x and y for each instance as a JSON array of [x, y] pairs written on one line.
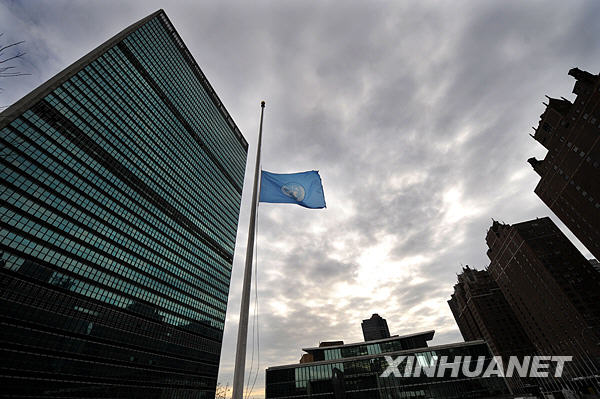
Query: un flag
[[304, 189]]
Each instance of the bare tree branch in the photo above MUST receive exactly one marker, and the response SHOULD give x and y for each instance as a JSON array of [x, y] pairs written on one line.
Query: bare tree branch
[[6, 57], [222, 391], [9, 53], [18, 55], [11, 45]]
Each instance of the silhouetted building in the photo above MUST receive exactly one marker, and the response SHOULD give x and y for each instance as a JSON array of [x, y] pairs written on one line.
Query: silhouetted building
[[395, 343], [375, 328], [355, 371], [552, 289], [482, 312], [121, 186], [308, 357], [330, 343], [570, 172]]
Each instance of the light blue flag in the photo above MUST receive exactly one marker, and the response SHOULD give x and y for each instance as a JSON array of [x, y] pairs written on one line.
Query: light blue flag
[[304, 188]]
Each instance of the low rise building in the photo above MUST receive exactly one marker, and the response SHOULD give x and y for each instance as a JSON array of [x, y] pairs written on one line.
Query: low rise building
[[362, 370]]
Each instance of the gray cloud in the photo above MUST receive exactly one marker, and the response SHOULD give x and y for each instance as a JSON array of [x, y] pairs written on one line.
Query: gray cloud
[[417, 114]]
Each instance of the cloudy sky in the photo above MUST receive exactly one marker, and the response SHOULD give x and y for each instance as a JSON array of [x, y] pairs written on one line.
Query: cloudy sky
[[417, 115]]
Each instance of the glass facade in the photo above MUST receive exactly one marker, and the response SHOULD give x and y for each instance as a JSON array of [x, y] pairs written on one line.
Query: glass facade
[[121, 183], [387, 345], [369, 349], [360, 377]]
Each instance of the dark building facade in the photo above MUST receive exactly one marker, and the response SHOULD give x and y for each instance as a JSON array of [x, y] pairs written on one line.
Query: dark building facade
[[482, 312], [121, 183], [570, 172], [552, 289], [354, 371], [375, 328], [595, 264]]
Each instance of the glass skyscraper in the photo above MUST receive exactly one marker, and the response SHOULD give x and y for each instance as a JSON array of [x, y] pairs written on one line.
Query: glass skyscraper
[[121, 183]]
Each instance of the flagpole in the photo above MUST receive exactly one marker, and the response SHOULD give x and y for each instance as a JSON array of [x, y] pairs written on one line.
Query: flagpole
[[240, 353]]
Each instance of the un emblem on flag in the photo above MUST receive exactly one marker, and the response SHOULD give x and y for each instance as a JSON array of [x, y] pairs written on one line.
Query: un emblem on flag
[[294, 191]]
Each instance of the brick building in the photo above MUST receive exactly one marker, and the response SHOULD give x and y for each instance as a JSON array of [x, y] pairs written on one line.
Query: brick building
[[570, 172], [553, 290]]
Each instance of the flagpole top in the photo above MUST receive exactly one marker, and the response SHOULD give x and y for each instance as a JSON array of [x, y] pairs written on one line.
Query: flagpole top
[[262, 104]]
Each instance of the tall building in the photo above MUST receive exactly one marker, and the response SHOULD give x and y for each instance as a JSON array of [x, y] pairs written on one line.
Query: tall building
[[570, 172], [121, 183], [552, 289], [482, 313], [375, 328], [357, 371]]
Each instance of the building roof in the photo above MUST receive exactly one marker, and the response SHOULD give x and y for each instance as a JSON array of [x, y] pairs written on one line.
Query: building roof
[[428, 336], [397, 353], [16, 109], [46, 88]]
